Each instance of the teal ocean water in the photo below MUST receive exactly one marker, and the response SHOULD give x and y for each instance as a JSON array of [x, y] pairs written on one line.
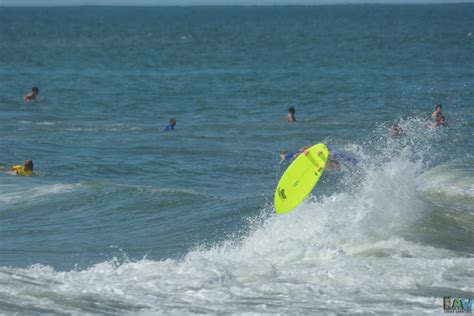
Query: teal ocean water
[[124, 218]]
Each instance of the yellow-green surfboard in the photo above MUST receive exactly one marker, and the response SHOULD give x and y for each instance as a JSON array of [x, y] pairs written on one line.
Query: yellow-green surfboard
[[300, 178]]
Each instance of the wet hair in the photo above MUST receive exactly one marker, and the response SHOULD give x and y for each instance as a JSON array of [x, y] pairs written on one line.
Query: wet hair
[[438, 106], [173, 121], [29, 164], [35, 89], [292, 110]]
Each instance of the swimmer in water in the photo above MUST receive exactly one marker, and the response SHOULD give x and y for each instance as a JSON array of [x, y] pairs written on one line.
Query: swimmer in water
[[291, 115], [440, 121], [23, 170], [32, 95], [396, 130], [438, 111], [170, 127]]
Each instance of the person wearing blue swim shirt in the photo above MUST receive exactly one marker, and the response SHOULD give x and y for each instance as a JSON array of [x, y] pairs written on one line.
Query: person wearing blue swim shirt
[[333, 161], [342, 156], [293, 154], [170, 127]]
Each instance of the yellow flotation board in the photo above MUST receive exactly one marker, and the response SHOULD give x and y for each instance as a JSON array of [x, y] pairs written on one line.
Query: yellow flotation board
[[20, 170], [300, 178]]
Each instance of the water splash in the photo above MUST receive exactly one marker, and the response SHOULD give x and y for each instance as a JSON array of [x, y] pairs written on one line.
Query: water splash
[[358, 249]]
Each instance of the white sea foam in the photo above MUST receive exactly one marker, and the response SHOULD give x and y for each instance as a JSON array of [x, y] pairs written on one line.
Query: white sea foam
[[45, 123], [455, 179], [344, 253], [24, 195]]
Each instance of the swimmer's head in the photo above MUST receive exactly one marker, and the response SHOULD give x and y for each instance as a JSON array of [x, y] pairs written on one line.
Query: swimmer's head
[[35, 90], [172, 122], [28, 165], [291, 110], [438, 107], [396, 130]]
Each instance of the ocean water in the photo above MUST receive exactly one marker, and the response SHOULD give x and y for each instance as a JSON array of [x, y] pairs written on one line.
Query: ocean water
[[123, 218]]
